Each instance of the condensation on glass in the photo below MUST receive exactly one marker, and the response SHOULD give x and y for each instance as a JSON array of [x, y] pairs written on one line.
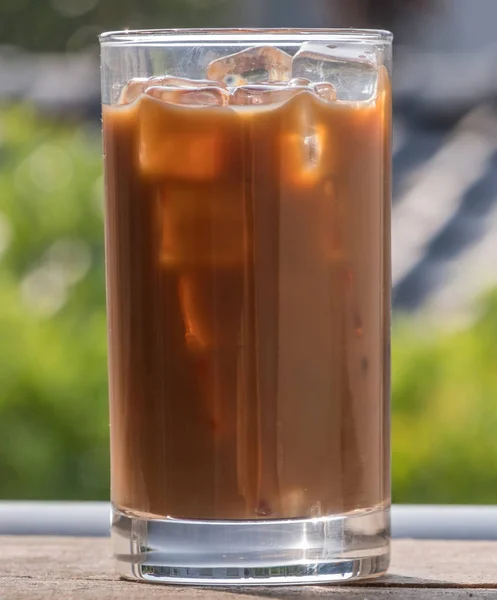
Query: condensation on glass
[[248, 281]]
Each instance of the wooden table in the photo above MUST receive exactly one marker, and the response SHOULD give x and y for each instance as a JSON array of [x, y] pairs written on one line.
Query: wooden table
[[64, 568]]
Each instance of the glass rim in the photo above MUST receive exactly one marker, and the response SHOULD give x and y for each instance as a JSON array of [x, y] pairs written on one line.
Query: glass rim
[[244, 35]]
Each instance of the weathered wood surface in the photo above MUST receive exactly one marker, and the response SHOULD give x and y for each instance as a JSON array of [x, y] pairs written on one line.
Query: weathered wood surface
[[67, 568]]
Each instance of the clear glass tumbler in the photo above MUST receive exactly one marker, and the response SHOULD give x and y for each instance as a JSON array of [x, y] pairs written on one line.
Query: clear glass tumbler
[[248, 276]]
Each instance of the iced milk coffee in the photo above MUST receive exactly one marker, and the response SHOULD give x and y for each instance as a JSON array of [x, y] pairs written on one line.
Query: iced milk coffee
[[247, 227]]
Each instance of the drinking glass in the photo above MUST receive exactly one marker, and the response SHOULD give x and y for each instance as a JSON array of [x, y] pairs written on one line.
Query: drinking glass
[[248, 285]]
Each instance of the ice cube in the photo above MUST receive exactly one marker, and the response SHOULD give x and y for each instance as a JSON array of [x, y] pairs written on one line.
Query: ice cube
[[137, 86], [197, 336], [252, 66], [353, 70], [248, 95], [296, 82], [184, 82], [202, 227], [303, 144], [134, 88], [181, 143], [299, 82], [325, 91], [200, 96]]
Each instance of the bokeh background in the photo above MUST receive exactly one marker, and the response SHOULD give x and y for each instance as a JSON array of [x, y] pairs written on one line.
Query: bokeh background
[[53, 385]]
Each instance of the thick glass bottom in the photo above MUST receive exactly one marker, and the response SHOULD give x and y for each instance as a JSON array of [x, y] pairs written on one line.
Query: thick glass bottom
[[337, 549]]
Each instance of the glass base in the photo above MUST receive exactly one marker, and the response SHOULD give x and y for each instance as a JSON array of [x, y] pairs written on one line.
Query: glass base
[[337, 549]]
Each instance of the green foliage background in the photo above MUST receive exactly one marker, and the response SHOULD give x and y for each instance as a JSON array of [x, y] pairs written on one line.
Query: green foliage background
[[53, 398], [53, 385]]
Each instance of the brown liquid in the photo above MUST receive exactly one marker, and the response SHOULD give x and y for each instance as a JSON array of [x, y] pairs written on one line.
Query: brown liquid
[[248, 300]]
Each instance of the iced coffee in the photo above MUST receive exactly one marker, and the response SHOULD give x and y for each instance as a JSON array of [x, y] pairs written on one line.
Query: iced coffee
[[247, 228]]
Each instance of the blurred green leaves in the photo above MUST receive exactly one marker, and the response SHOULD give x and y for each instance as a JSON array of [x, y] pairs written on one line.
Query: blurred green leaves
[[53, 384], [445, 412], [53, 391]]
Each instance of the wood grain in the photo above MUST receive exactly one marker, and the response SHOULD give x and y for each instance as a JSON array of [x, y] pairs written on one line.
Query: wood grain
[[66, 568]]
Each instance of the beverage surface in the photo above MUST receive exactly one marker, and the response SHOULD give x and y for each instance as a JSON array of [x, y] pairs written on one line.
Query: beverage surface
[[248, 290]]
